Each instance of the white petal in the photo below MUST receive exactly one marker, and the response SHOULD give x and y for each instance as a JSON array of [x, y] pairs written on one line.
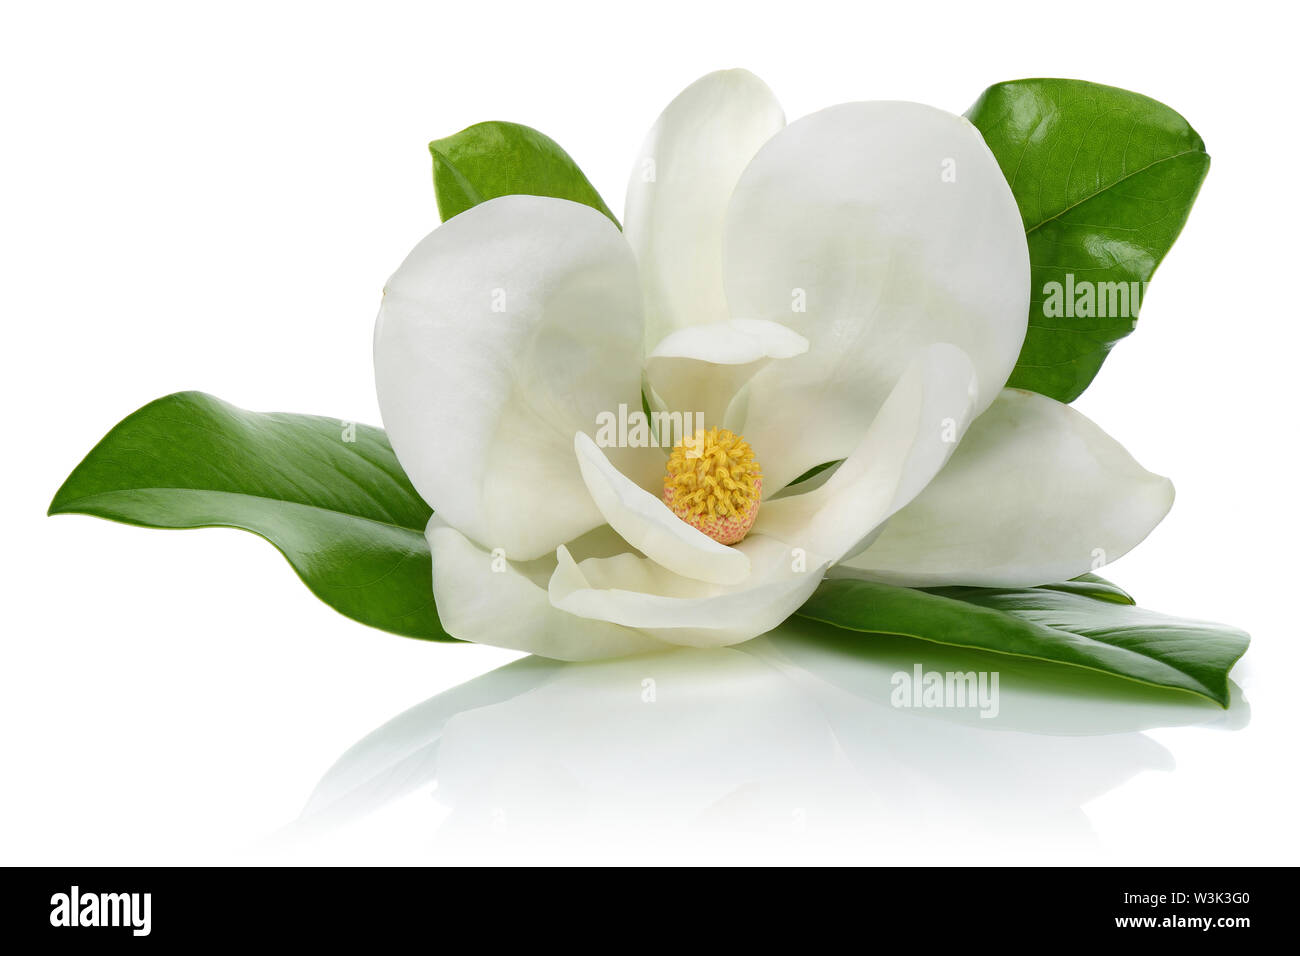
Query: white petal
[[699, 370], [510, 608], [647, 524], [509, 328], [677, 195], [636, 592], [846, 228], [910, 440], [1035, 494]]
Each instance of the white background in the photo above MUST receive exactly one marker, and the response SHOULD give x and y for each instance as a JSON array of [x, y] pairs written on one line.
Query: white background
[[211, 197]]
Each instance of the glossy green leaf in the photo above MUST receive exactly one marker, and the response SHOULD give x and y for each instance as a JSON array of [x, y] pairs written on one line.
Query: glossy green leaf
[[1089, 585], [505, 159], [1083, 623], [329, 495], [1104, 179]]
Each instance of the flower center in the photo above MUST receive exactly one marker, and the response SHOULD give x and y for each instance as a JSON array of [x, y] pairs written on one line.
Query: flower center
[[714, 484]]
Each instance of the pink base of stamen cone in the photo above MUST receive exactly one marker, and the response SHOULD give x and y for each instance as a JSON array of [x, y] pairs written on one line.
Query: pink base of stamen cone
[[725, 530]]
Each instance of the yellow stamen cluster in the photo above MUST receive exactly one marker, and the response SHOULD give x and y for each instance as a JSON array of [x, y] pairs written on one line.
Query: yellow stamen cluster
[[714, 484]]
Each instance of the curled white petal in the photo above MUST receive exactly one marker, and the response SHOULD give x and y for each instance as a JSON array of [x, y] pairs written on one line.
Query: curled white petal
[[635, 592], [911, 439], [647, 524], [1035, 494], [699, 369], [484, 598]]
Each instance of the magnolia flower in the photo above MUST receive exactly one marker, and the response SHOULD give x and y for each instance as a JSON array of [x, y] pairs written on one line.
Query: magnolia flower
[[852, 288]]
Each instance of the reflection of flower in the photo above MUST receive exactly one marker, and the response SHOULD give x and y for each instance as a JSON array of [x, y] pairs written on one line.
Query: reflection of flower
[[851, 287], [789, 736]]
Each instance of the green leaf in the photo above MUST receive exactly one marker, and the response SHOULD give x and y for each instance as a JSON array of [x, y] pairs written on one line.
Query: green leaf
[[1104, 179], [328, 494], [488, 160], [1080, 623], [1089, 585], [814, 471]]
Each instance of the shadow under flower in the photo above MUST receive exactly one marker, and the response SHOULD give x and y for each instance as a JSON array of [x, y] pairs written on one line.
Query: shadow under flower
[[793, 739]]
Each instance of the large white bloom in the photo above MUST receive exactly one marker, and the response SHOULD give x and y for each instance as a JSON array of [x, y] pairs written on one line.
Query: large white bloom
[[851, 288]]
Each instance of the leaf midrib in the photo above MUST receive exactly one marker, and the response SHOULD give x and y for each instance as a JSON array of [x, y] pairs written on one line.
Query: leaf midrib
[[1112, 185], [63, 508], [324, 460]]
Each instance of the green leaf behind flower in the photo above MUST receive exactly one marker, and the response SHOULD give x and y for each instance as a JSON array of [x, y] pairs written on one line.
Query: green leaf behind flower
[[494, 159], [1104, 179], [1086, 623], [328, 494]]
